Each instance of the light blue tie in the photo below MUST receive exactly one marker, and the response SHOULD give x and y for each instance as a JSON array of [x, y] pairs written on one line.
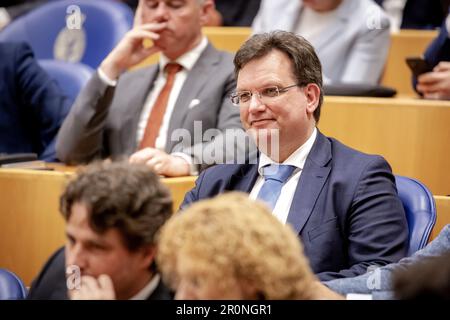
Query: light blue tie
[[275, 175]]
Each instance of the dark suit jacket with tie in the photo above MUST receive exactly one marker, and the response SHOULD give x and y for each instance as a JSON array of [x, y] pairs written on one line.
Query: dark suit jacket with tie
[[345, 208], [103, 121], [50, 284], [32, 106]]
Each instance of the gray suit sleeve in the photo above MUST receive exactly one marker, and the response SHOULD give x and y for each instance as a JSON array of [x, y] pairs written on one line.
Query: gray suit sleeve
[[80, 138], [228, 126], [367, 58], [378, 282]]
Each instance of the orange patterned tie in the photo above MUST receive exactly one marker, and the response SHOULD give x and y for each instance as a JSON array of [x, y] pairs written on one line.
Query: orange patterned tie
[[159, 108]]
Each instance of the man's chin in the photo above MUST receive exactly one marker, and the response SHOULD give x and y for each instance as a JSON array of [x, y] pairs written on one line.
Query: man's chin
[[162, 43], [267, 140]]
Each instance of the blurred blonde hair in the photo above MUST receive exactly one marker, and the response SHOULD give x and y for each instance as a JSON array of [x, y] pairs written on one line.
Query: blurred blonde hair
[[233, 236]]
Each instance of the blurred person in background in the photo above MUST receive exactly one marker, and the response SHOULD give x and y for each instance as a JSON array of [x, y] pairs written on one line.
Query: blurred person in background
[[380, 282], [436, 84], [231, 247], [351, 37], [415, 14], [233, 13]]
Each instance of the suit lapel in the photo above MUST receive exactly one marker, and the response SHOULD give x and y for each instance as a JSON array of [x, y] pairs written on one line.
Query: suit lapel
[[245, 179], [192, 86], [139, 87], [313, 177]]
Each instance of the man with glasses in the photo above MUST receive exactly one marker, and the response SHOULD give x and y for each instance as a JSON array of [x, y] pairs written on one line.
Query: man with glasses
[[341, 202], [145, 113]]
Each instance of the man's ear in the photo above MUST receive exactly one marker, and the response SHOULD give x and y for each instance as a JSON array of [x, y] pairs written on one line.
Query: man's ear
[[312, 93], [207, 11]]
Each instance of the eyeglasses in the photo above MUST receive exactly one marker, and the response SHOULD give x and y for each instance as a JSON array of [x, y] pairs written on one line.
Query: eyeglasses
[[242, 98]]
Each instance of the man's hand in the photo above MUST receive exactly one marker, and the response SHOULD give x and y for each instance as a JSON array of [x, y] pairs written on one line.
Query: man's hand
[[94, 289], [435, 84], [131, 49], [161, 162]]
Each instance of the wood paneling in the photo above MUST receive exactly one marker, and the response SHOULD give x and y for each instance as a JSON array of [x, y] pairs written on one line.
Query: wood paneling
[[412, 134]]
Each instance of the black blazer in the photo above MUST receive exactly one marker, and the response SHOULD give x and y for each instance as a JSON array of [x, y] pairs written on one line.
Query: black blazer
[[51, 282]]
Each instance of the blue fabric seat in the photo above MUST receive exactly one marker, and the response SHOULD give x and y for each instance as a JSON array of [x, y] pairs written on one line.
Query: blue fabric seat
[[420, 211], [72, 30], [71, 77], [11, 286]]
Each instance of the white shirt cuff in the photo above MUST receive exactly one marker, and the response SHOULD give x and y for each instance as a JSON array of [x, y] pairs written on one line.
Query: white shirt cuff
[[358, 296], [193, 169], [5, 19], [105, 78]]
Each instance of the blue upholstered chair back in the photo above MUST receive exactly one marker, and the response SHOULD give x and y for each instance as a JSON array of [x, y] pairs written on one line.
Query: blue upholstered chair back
[[420, 211], [71, 77], [90, 32], [11, 287]]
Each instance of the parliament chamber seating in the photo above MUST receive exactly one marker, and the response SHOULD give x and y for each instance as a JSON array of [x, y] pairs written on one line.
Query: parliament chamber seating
[[412, 134], [72, 30]]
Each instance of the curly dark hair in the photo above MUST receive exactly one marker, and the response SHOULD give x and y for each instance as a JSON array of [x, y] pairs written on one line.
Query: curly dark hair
[[120, 195]]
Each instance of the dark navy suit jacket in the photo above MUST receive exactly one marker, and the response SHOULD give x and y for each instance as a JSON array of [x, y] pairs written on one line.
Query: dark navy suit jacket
[[345, 208], [437, 51], [32, 106]]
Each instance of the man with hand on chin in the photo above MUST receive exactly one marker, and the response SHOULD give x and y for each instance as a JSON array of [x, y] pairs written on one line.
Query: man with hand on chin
[[113, 212], [143, 113]]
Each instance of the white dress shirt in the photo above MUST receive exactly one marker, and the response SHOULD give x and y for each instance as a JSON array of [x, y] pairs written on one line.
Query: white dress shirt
[[296, 159], [187, 61], [148, 289]]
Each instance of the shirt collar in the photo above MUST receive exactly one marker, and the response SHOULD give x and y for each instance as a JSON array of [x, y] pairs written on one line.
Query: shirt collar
[[188, 59], [148, 289], [296, 159]]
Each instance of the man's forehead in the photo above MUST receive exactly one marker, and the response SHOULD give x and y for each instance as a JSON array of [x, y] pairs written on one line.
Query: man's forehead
[[260, 77], [273, 68], [85, 234]]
